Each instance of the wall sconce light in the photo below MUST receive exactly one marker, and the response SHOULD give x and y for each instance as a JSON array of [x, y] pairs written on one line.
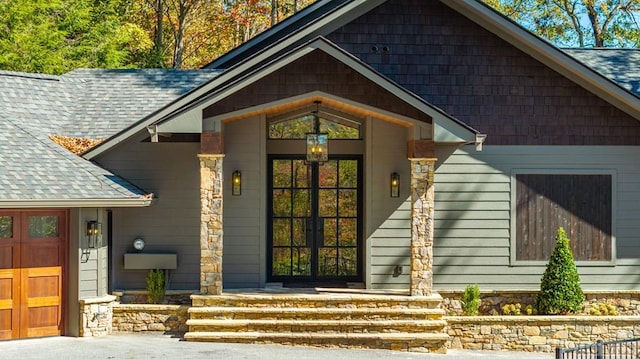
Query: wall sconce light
[[395, 184], [94, 231], [138, 244], [236, 183]]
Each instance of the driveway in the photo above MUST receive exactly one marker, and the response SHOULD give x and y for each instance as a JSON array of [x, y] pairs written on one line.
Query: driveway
[[157, 346]]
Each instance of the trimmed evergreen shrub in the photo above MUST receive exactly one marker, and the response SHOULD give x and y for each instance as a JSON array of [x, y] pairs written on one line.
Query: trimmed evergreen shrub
[[560, 291], [471, 300], [155, 286]]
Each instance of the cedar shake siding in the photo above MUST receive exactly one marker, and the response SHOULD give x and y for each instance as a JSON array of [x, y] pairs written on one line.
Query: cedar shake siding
[[480, 79], [316, 71]]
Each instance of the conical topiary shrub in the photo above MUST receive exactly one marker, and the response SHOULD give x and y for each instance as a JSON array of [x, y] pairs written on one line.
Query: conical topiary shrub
[[560, 291]]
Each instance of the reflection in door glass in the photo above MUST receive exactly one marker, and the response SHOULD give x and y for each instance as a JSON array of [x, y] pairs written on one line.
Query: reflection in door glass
[[43, 226], [281, 232], [281, 261], [6, 227], [302, 261]]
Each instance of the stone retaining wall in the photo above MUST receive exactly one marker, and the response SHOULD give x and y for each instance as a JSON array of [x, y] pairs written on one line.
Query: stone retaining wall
[[150, 318], [537, 333], [626, 302]]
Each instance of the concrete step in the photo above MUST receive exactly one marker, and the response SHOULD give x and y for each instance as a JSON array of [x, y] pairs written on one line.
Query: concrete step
[[423, 342], [314, 313], [317, 326], [316, 300]]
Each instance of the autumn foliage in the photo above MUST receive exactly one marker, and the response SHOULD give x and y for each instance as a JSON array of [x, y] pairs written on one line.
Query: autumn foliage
[[75, 144]]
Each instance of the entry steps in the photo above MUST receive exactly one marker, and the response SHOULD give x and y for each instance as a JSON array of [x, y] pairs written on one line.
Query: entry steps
[[396, 322]]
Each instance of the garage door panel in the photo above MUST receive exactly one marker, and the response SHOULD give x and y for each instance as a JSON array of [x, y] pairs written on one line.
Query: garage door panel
[[40, 254], [6, 256], [44, 282], [7, 324], [9, 299]]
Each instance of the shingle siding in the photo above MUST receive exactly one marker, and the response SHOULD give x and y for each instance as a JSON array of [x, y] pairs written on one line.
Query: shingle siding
[[481, 79], [316, 71]]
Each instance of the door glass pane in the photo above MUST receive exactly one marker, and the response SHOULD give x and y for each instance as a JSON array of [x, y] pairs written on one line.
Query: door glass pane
[[301, 203], [300, 232], [327, 206], [43, 226], [281, 232], [302, 261], [347, 262], [301, 174], [328, 174], [327, 264], [6, 227], [281, 202], [348, 203], [348, 174], [330, 232], [281, 261], [348, 232], [281, 173]]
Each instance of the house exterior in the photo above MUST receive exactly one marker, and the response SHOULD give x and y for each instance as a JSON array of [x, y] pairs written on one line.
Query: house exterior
[[457, 143]]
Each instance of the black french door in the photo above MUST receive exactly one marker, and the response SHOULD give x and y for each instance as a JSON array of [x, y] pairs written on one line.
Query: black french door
[[315, 220]]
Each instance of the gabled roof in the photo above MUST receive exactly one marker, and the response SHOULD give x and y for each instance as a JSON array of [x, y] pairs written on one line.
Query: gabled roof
[[35, 171], [104, 101], [247, 72], [322, 21]]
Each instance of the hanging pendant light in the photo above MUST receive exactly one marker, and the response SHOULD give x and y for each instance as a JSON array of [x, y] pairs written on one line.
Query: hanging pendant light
[[317, 142]]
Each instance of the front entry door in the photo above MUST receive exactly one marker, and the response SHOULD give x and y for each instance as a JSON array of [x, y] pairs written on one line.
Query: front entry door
[[32, 257], [315, 220]]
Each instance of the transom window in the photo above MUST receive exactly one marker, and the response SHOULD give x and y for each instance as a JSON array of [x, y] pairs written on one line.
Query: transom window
[[296, 125]]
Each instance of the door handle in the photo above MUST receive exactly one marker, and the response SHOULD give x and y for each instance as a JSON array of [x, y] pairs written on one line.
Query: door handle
[[320, 239], [309, 232]]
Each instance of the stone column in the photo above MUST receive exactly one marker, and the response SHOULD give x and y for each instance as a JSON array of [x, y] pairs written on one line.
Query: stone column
[[422, 211], [211, 223]]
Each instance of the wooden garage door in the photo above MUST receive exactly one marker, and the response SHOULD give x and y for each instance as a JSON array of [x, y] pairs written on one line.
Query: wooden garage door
[[32, 257]]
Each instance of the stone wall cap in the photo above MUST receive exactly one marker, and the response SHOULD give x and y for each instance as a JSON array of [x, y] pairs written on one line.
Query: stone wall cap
[[489, 319], [104, 299], [210, 155], [529, 291], [121, 292], [149, 307]]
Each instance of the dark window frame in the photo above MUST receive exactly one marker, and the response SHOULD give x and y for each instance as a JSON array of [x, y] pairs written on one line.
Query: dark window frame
[[555, 171]]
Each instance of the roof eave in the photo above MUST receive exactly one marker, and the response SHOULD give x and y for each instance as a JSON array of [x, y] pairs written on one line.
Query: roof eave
[[77, 203], [549, 55]]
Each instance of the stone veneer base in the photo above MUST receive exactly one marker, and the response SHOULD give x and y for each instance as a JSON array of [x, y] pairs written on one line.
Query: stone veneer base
[[96, 316]]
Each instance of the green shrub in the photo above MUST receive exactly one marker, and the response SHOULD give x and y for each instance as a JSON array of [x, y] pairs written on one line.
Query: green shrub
[[511, 309], [471, 300], [516, 309], [560, 291], [155, 286], [603, 309]]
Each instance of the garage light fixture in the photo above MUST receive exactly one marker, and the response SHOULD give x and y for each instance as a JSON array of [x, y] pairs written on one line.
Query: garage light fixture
[[94, 231]]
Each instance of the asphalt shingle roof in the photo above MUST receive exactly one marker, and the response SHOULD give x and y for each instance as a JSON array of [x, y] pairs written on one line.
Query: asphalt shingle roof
[[98, 103], [620, 65], [108, 101], [92, 103]]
